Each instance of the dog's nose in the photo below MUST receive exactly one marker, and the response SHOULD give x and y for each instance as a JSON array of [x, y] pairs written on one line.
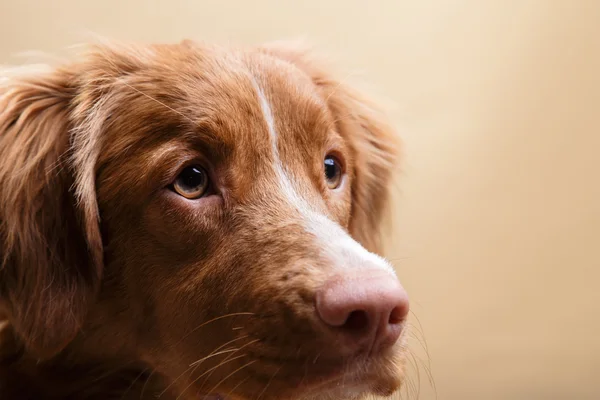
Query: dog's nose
[[367, 308]]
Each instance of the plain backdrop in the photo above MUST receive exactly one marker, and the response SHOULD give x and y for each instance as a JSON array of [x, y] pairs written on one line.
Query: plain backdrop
[[497, 212]]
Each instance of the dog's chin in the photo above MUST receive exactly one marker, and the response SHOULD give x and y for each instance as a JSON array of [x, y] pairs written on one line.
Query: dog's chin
[[376, 378], [332, 390]]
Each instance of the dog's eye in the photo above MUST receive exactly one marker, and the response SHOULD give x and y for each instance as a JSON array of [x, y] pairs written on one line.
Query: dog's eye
[[333, 172], [192, 182]]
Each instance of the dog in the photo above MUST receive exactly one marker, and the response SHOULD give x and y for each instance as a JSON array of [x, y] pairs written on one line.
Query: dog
[[192, 221]]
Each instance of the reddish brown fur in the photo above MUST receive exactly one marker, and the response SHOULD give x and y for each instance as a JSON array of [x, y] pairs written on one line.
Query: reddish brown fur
[[108, 279]]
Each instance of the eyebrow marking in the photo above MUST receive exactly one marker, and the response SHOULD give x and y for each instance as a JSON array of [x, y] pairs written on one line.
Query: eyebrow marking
[[268, 114], [284, 180]]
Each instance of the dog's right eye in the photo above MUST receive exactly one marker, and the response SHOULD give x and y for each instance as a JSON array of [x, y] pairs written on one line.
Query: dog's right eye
[[333, 172], [192, 182]]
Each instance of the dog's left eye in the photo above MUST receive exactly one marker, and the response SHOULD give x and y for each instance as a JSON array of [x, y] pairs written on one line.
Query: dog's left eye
[[192, 183], [333, 172]]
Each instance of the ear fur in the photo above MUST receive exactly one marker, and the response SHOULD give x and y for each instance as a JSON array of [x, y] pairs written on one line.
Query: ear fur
[[50, 245], [375, 142]]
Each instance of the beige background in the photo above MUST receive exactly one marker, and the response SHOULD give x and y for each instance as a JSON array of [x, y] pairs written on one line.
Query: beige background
[[497, 215]]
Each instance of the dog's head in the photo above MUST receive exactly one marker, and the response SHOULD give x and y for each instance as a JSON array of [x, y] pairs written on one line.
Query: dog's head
[[213, 213]]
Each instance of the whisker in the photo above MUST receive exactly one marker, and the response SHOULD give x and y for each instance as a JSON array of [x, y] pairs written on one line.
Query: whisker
[[345, 374], [316, 358], [231, 374], [227, 358], [268, 383], [428, 374], [418, 338], [213, 355], [418, 372], [423, 342], [110, 372], [238, 385], [133, 382], [410, 388], [193, 366], [217, 349], [211, 321], [396, 259], [422, 332], [146, 383], [305, 372], [207, 371]]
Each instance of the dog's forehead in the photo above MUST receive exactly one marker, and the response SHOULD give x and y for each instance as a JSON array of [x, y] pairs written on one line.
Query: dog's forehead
[[249, 91], [255, 103]]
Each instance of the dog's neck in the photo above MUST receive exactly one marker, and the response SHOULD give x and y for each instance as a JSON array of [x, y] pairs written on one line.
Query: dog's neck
[[107, 373], [27, 379]]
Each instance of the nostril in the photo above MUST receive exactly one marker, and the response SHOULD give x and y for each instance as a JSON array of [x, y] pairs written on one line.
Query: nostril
[[357, 321], [398, 315]]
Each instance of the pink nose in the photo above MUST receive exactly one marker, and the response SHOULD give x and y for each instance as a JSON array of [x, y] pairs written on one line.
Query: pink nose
[[367, 308]]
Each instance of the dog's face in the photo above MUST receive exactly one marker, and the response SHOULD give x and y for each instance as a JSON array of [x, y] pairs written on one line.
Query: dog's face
[[238, 192]]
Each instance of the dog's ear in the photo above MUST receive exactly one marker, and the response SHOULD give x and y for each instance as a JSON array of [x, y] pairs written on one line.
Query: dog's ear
[[50, 244], [375, 143]]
